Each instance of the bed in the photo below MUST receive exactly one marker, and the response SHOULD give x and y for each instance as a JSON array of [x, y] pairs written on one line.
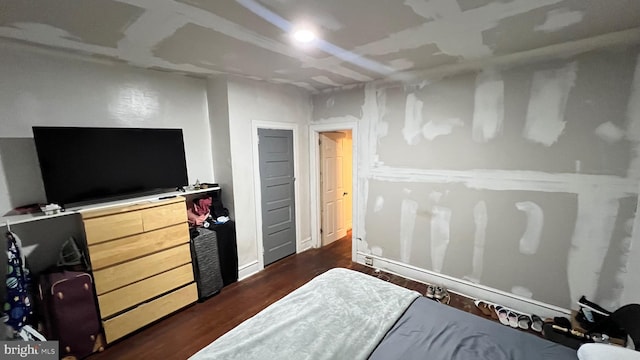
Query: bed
[[344, 314]]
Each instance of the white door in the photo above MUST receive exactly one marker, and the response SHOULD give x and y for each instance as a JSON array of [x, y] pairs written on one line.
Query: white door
[[333, 187]]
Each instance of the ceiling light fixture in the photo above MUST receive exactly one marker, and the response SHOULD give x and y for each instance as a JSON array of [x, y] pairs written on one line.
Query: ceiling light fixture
[[304, 36]]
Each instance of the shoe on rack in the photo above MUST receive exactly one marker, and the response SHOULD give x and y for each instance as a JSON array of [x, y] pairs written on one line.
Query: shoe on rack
[[484, 307], [494, 313], [430, 292], [562, 321], [590, 313], [584, 303], [440, 293], [503, 315], [524, 322], [513, 319], [536, 323]]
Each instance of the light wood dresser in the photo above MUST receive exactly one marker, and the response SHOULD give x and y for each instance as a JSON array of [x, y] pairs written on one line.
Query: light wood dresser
[[141, 263]]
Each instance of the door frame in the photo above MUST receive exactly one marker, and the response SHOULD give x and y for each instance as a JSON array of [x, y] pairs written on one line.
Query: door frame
[[255, 125], [314, 179]]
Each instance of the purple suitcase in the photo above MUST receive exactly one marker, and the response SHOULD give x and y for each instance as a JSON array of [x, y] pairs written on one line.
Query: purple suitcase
[[70, 314]]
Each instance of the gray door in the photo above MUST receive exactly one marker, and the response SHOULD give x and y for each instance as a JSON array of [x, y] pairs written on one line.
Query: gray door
[[275, 149]]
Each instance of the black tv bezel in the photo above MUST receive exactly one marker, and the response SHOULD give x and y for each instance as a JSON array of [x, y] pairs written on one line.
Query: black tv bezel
[[115, 196]]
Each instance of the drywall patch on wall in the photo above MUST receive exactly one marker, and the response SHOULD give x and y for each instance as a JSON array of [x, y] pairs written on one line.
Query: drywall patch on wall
[[609, 132], [633, 122], [610, 296], [383, 126], [331, 101], [363, 246], [480, 218], [522, 291], [545, 112], [367, 150], [434, 198], [412, 119], [630, 290], [558, 19], [511, 180], [488, 112], [440, 235], [535, 221], [339, 119], [134, 104], [379, 204], [597, 212], [408, 212], [369, 122], [377, 250], [383, 129], [440, 127]]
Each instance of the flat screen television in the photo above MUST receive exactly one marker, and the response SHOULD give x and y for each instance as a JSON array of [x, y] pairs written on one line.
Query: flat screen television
[[82, 164]]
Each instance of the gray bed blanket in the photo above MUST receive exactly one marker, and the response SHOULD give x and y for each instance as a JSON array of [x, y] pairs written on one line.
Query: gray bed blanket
[[341, 314], [433, 331]]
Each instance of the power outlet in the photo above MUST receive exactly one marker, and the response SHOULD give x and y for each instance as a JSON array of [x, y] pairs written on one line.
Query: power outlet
[[368, 261]]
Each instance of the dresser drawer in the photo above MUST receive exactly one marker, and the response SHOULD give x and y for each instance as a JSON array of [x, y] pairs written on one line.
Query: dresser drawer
[[127, 273], [131, 247], [147, 313], [100, 229], [141, 291], [162, 216]]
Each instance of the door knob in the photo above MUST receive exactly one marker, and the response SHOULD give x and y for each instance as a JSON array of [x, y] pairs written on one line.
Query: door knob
[[345, 194]]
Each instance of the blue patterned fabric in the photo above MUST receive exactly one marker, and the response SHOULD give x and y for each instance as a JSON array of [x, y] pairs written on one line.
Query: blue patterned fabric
[[17, 305]]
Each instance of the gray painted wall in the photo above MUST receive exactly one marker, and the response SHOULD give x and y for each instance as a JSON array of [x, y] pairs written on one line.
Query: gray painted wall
[[250, 101], [48, 88], [40, 87], [521, 179]]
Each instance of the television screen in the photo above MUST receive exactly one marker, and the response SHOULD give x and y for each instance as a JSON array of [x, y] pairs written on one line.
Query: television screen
[[83, 164]]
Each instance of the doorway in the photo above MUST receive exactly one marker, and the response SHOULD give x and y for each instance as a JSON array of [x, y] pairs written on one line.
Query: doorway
[[355, 186], [336, 201], [277, 189]]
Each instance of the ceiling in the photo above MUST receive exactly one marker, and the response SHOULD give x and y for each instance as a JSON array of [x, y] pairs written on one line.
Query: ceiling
[[360, 40]]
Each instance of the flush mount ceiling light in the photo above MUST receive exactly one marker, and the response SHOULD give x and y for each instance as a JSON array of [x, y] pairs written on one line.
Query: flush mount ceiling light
[[303, 36]]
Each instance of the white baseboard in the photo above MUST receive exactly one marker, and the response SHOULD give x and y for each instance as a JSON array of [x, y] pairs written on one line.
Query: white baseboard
[[252, 268], [466, 288], [305, 245], [246, 270]]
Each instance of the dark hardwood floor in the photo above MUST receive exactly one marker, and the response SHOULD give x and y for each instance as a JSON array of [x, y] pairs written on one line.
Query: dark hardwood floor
[[187, 331]]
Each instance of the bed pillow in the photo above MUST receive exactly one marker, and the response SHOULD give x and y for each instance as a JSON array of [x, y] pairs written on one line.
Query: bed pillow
[[606, 352]]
